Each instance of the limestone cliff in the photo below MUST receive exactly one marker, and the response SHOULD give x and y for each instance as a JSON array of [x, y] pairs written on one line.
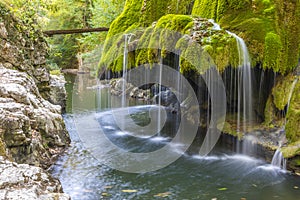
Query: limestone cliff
[[31, 128]]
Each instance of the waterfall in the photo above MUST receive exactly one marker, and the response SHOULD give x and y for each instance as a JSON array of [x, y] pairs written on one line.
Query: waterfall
[[241, 90], [159, 94], [243, 79], [244, 84], [127, 38], [278, 160]]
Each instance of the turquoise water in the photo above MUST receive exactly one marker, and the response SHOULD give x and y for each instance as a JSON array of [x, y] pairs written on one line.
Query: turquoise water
[[221, 175]]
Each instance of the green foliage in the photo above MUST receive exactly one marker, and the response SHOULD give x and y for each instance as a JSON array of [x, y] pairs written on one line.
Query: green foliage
[[273, 49], [214, 9], [31, 12], [287, 15], [67, 14], [103, 12], [55, 72]]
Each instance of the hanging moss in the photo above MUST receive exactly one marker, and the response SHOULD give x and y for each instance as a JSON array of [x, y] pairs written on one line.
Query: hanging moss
[[253, 20], [281, 91], [152, 11], [280, 112], [273, 49], [270, 117], [142, 48], [214, 9], [293, 116], [130, 15], [287, 25], [171, 32]]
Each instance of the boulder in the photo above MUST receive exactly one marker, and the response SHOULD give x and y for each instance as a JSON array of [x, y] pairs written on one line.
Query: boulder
[[32, 129], [25, 182]]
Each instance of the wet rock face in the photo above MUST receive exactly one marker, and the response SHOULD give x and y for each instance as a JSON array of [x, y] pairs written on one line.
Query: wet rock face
[[32, 129], [21, 181]]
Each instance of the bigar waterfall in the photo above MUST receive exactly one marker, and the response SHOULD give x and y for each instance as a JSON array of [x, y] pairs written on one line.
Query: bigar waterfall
[[185, 107]]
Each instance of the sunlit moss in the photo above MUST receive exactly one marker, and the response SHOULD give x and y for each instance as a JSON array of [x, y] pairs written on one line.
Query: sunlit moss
[[273, 48], [291, 150], [281, 91], [253, 20], [293, 116]]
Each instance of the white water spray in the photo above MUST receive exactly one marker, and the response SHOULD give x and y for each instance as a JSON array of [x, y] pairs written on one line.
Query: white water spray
[[278, 160], [244, 84]]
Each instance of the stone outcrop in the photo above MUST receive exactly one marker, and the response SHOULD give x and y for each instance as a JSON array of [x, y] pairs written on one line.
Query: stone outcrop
[[22, 181], [57, 93], [32, 130]]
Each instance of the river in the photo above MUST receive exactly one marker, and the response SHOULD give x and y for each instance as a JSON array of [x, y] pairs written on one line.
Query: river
[[221, 175]]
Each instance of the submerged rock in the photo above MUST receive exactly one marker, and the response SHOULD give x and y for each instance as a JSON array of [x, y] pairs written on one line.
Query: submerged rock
[[22, 181]]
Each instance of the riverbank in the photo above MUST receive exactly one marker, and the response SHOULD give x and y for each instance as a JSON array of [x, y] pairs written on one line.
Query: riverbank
[[32, 130]]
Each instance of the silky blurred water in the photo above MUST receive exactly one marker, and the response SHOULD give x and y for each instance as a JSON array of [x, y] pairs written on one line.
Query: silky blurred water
[[221, 175]]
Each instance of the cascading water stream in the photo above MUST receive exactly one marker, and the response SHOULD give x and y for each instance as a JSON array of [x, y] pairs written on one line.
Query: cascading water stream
[[159, 94], [244, 85], [278, 160], [127, 38]]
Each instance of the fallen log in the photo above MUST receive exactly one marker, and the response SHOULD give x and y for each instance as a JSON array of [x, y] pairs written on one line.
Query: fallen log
[[50, 33]]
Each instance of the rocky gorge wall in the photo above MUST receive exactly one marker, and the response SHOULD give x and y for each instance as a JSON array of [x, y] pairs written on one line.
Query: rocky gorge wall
[[32, 129], [270, 28]]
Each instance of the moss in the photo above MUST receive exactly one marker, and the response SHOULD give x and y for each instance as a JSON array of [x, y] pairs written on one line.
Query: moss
[[269, 113], [223, 51], [291, 150], [152, 10], [287, 26], [228, 129], [171, 28], [273, 48], [293, 116], [55, 72], [281, 91], [255, 21], [2, 148], [191, 59], [142, 48], [130, 15], [214, 9]]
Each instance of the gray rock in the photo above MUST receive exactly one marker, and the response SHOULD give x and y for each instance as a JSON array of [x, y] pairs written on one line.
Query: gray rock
[[58, 94], [32, 128], [3, 31], [22, 181]]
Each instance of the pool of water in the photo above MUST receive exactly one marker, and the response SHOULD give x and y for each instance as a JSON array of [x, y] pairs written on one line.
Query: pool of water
[[220, 175]]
